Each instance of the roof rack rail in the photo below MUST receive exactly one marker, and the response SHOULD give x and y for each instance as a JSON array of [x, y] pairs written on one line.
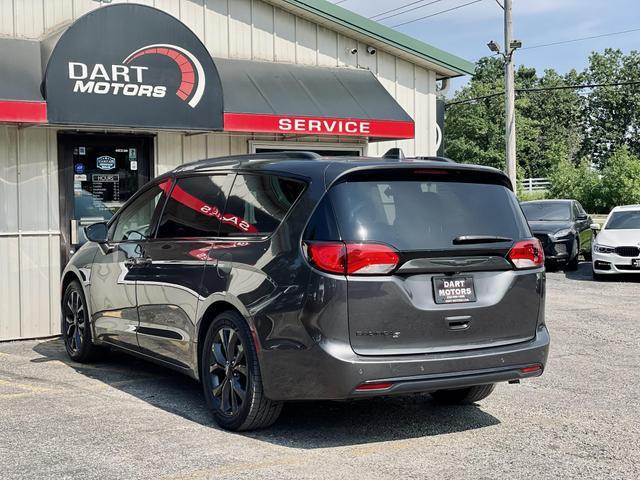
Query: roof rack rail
[[398, 154], [394, 154], [283, 154]]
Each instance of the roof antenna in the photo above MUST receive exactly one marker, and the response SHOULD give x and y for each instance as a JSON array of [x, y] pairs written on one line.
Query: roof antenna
[[395, 153]]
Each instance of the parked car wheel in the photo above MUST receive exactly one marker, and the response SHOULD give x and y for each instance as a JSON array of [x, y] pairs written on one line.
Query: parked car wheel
[[572, 264], [231, 376], [463, 396], [76, 332]]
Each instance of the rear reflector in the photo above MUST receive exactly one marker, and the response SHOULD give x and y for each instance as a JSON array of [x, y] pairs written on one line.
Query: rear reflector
[[531, 369], [373, 386], [352, 258], [527, 254]]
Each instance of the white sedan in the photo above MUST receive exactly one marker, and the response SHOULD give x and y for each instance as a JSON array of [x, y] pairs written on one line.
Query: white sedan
[[616, 249]]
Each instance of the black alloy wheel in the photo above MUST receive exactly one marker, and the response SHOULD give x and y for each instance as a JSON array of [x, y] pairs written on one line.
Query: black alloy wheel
[[75, 325], [231, 378], [74, 321], [228, 370]]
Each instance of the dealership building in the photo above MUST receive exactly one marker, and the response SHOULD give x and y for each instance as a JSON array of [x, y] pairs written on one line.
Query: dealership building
[[98, 97]]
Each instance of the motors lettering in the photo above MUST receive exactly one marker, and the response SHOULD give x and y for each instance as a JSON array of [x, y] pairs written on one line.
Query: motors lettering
[[113, 79]]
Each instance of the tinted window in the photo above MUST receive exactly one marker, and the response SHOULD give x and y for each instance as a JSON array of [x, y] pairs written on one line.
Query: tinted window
[[423, 215], [322, 225], [547, 211], [136, 221], [258, 203], [194, 208], [624, 221]]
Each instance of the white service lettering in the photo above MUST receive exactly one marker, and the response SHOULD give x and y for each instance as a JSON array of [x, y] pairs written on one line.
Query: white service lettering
[[305, 125]]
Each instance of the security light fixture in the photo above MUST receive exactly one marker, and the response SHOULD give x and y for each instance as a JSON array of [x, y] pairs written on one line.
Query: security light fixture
[[494, 46]]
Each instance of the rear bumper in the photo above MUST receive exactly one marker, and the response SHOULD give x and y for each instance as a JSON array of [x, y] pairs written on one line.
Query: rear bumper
[[334, 371]]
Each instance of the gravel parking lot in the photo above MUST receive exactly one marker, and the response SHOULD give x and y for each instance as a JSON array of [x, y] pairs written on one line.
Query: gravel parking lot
[[125, 418]]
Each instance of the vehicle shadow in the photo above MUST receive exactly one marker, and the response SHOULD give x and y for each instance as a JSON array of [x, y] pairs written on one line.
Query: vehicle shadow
[[584, 274], [307, 425]]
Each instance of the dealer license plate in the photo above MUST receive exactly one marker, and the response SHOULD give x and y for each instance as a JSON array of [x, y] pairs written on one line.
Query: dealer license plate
[[454, 289]]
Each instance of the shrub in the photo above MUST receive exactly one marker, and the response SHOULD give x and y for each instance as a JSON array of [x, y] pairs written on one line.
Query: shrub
[[618, 183], [621, 179]]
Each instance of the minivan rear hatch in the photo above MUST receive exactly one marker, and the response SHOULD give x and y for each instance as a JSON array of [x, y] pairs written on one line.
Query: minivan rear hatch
[[454, 286]]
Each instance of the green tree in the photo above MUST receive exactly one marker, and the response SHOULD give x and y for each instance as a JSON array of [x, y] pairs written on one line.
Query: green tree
[[474, 130], [612, 113], [621, 178]]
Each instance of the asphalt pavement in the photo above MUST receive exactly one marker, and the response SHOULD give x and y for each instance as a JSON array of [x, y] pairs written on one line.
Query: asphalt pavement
[[125, 418]]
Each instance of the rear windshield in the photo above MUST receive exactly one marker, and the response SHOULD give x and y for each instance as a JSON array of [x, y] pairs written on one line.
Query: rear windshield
[[425, 215], [547, 211], [624, 221]]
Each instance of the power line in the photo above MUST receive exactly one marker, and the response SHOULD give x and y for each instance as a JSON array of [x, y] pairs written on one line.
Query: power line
[[546, 89], [434, 14], [385, 16], [581, 39]]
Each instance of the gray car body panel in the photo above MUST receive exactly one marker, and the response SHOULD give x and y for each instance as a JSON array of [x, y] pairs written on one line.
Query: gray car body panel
[[300, 317]]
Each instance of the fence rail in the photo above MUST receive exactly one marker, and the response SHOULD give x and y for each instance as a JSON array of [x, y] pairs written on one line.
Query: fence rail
[[540, 184]]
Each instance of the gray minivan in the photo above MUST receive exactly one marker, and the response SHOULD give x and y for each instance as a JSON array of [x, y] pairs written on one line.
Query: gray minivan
[[289, 276]]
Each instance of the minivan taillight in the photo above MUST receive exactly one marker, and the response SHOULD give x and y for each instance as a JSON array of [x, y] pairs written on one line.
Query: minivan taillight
[[370, 259], [352, 258], [527, 254]]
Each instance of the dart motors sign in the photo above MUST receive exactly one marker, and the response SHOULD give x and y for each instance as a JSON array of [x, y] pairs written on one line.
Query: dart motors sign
[[132, 66]]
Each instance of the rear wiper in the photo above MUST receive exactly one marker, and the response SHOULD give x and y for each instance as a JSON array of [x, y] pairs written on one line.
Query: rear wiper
[[469, 239]]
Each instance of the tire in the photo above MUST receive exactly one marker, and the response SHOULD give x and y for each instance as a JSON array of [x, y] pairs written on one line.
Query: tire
[[76, 331], [572, 264], [597, 276], [231, 376], [463, 396]]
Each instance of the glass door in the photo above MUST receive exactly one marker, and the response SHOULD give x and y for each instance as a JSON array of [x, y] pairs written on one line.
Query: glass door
[[98, 174]]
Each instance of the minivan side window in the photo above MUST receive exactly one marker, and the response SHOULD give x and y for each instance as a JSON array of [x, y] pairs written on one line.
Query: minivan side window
[[136, 221], [257, 204], [194, 207]]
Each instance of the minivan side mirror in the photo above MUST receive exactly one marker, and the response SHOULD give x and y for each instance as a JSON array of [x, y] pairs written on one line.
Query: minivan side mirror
[[98, 232], [595, 227]]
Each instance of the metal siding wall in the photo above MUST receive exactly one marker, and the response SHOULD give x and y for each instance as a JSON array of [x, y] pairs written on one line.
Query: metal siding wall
[[285, 36], [216, 31], [327, 47], [263, 27], [306, 42], [29, 233], [240, 29]]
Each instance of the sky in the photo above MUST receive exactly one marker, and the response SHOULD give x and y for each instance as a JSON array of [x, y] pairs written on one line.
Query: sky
[[466, 31]]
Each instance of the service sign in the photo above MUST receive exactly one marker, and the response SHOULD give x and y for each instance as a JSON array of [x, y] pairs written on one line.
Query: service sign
[[133, 66]]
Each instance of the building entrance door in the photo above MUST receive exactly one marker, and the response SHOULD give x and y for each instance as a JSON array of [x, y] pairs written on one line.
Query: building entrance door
[[98, 174]]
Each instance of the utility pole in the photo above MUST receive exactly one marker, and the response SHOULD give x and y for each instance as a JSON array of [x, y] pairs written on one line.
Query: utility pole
[[510, 46], [510, 95]]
